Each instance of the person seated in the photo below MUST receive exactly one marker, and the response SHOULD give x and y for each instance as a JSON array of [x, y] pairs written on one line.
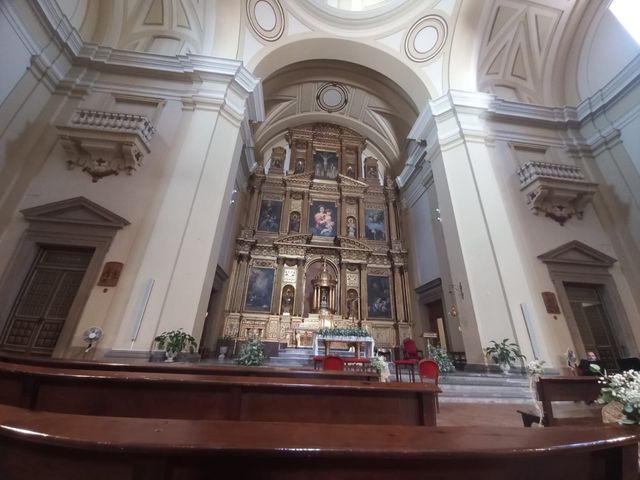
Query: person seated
[[584, 367]]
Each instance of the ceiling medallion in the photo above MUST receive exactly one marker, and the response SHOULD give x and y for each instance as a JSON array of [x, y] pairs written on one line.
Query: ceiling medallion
[[426, 38], [332, 97], [266, 18]]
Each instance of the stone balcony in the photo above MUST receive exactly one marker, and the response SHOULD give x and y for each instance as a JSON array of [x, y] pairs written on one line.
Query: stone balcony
[[106, 143], [558, 191]]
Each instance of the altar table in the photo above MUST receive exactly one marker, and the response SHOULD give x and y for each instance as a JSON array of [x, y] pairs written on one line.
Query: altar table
[[357, 341]]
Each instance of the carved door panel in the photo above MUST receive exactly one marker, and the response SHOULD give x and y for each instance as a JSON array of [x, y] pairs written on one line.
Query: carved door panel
[[593, 323], [45, 299]]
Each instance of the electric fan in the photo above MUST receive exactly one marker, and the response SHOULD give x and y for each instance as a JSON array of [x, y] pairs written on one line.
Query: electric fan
[[91, 336]]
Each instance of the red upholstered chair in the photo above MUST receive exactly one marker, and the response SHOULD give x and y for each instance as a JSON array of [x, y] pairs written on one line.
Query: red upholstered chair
[[332, 362], [410, 350], [429, 370], [410, 358]]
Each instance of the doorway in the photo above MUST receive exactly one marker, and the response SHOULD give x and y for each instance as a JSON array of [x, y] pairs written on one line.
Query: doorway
[[593, 322], [45, 299]]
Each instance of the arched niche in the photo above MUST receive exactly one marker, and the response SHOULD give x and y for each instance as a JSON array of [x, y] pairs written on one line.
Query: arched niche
[[313, 269]]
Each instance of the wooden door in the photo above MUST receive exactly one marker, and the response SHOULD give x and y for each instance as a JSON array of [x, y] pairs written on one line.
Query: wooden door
[[45, 300], [593, 322]]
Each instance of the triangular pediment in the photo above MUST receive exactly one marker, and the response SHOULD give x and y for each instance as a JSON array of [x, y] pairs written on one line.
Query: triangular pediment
[[577, 253], [348, 242], [348, 181], [296, 238], [78, 210]]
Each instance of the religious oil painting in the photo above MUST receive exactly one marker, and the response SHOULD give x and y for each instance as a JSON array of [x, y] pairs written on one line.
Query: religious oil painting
[[259, 289], [325, 165], [374, 228], [323, 219], [379, 297], [269, 219]]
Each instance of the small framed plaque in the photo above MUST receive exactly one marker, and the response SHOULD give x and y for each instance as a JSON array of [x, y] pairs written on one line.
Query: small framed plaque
[[110, 274], [551, 302]]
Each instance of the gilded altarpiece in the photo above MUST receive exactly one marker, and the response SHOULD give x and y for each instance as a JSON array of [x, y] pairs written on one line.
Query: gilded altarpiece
[[329, 213]]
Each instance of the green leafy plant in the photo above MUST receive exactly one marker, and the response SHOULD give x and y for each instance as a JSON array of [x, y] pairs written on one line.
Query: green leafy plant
[[252, 353], [176, 341], [343, 332], [503, 353], [440, 355]]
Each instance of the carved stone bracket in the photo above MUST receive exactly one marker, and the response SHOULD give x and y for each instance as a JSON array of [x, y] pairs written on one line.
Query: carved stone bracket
[[557, 191], [106, 143]]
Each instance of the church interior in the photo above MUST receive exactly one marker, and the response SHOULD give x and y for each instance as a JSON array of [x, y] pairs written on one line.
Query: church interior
[[325, 203]]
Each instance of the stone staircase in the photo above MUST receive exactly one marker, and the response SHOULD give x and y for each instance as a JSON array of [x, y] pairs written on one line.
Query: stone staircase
[[460, 387]]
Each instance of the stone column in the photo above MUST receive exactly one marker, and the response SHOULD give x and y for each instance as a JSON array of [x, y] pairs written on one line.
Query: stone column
[[188, 227], [398, 294], [361, 229], [299, 300], [364, 300]]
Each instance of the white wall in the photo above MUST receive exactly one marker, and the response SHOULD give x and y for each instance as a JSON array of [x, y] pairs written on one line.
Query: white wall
[[14, 57], [423, 254]]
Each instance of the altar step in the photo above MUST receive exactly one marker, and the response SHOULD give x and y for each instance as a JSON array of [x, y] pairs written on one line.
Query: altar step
[[456, 387]]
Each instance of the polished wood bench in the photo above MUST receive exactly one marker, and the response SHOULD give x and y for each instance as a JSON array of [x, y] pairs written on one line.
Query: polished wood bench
[[550, 389], [193, 368], [189, 396], [57, 446]]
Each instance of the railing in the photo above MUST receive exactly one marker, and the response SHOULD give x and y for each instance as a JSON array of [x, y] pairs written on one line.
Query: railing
[[113, 121], [532, 170]]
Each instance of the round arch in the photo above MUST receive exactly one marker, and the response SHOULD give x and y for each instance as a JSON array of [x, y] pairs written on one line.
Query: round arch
[[465, 47], [267, 62]]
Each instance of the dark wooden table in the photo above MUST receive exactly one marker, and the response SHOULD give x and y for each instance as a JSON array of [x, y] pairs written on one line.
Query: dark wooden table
[[54, 446]]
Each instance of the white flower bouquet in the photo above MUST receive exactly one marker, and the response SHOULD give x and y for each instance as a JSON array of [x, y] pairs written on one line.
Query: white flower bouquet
[[621, 390]]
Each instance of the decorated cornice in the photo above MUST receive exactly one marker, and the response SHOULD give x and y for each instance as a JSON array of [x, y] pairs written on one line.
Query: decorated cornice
[[197, 68]]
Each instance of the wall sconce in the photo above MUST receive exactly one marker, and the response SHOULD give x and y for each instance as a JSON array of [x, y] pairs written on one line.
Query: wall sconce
[[438, 217], [233, 195]]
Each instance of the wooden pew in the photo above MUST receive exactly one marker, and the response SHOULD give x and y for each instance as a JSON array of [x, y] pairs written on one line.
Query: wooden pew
[[194, 368], [189, 396], [58, 446], [550, 389]]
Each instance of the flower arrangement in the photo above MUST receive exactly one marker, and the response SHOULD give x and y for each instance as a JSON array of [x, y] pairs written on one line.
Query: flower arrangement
[[343, 332], [442, 358], [378, 362], [252, 353], [535, 367], [620, 395]]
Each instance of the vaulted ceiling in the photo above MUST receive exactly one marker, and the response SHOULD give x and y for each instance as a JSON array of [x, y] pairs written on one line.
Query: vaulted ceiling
[[340, 93]]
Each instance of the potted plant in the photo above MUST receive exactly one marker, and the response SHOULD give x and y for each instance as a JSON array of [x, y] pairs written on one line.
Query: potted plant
[[176, 341], [504, 353]]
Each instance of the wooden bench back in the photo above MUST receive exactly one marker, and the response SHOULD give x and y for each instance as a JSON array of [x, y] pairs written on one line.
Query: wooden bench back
[[584, 390], [44, 445], [188, 396]]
